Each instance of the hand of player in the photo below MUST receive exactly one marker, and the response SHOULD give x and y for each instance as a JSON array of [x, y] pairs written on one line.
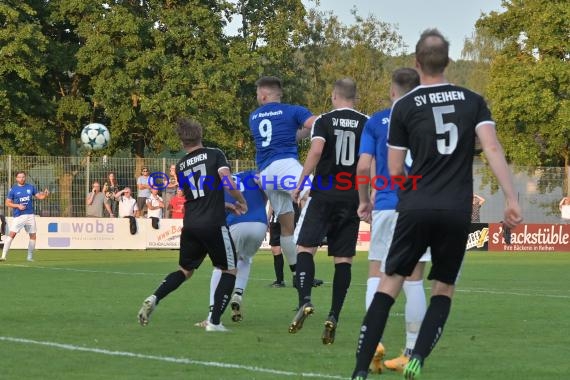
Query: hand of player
[[21, 207], [295, 195], [241, 207], [513, 214], [365, 212]]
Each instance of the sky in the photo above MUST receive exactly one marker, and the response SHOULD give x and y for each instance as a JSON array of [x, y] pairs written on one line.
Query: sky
[[455, 19]]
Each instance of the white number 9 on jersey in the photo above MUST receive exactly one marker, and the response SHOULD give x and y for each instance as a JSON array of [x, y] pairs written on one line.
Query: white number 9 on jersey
[[265, 130]]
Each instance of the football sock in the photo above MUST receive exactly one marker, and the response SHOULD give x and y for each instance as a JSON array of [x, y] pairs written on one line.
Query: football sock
[[371, 288], [305, 276], [242, 276], [7, 244], [31, 248], [432, 325], [414, 311], [289, 250], [278, 264], [222, 296], [169, 284], [214, 281], [341, 283], [372, 330]]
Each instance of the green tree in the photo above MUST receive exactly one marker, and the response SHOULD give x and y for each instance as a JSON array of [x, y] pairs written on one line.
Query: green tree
[[24, 110], [529, 82]]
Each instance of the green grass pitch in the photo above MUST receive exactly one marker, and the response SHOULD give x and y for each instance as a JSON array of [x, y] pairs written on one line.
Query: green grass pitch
[[72, 315]]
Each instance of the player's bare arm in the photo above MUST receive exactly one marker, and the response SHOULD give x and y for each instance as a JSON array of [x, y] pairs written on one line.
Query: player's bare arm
[[396, 158], [231, 187], [494, 153], [305, 131], [365, 204], [42, 195], [11, 204], [313, 157]]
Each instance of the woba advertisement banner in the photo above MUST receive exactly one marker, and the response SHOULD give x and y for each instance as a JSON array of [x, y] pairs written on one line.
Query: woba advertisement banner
[[531, 237]]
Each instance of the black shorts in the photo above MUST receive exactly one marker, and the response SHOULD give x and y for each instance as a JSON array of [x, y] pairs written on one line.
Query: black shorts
[[337, 221], [215, 241], [274, 234], [445, 231]]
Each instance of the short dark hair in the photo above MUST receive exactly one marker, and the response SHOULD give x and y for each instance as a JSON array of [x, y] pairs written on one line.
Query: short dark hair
[[346, 88], [189, 131], [270, 82], [406, 79], [20, 172], [432, 52]]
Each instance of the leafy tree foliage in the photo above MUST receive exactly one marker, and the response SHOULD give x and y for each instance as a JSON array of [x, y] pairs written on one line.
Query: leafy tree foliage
[[529, 83], [24, 110]]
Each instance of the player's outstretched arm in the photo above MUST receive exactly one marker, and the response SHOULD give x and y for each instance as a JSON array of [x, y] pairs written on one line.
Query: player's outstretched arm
[[494, 153], [231, 187]]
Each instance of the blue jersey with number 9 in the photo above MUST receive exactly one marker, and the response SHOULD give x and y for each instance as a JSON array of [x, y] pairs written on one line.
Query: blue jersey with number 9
[[274, 129]]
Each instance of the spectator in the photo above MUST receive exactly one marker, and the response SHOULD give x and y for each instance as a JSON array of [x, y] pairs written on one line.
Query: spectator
[[170, 190], [110, 188], [95, 201], [565, 209], [143, 192], [127, 204], [476, 211], [176, 205], [154, 204]]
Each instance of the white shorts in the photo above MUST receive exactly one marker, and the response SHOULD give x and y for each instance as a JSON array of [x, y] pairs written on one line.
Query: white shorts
[[383, 225], [247, 238], [26, 221], [279, 180]]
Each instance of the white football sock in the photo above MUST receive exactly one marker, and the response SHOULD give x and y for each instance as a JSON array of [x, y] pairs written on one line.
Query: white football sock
[[243, 269], [214, 281], [289, 249], [7, 243], [31, 248], [415, 310], [371, 288]]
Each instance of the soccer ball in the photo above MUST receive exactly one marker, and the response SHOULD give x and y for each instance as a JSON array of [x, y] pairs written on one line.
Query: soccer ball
[[95, 136]]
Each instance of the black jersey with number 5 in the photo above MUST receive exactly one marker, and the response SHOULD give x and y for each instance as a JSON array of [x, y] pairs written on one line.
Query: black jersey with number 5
[[199, 179], [341, 130], [437, 124]]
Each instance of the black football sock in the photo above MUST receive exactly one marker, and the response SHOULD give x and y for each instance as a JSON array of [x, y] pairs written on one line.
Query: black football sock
[[278, 264], [305, 276], [169, 284], [341, 283], [432, 326], [371, 330], [222, 296]]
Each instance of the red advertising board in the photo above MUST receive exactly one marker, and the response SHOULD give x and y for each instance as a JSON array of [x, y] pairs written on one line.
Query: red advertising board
[[531, 237]]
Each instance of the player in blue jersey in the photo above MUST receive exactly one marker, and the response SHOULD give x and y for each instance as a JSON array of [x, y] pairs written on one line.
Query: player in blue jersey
[[276, 128], [247, 231], [438, 123], [373, 150], [21, 200]]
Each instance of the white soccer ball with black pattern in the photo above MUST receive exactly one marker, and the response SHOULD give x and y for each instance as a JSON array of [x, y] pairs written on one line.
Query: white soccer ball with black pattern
[[95, 136]]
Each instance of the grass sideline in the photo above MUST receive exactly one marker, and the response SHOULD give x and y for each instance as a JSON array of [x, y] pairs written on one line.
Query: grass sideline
[[72, 315]]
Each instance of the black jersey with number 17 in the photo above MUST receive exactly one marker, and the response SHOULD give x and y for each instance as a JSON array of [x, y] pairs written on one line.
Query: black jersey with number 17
[[199, 179], [437, 124], [341, 130]]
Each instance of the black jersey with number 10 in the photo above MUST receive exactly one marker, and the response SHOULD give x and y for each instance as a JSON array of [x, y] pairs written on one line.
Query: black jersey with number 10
[[341, 130], [199, 179], [437, 124]]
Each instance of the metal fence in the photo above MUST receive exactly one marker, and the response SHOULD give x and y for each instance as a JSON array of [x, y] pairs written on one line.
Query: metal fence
[[69, 179]]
